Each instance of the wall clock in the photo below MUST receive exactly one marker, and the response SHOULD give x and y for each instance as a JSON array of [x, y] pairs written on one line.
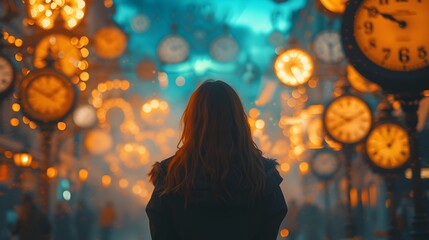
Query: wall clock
[[347, 119], [67, 56], [358, 82], [47, 96], [325, 163], [327, 47], [140, 23], [334, 6], [173, 49], [224, 48], [84, 116], [386, 41], [387, 147], [110, 42], [293, 67], [7, 75]]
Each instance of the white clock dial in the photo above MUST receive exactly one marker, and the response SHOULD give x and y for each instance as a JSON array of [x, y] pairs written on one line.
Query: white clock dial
[[224, 49], [327, 47], [173, 49], [85, 116], [6, 74]]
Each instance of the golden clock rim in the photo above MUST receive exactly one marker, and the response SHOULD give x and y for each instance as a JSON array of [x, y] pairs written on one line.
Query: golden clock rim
[[14, 76]]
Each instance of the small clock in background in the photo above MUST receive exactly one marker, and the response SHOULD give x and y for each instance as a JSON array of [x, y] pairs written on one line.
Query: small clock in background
[[327, 47], [347, 119], [7, 75], [294, 67], [358, 82], [110, 42], [140, 23], [47, 96], [224, 48], [61, 48], [85, 116], [173, 49], [388, 147], [146, 70], [325, 163]]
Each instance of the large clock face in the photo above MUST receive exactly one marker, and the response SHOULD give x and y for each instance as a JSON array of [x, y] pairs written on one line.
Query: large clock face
[[173, 49], [393, 34], [294, 67], [66, 55], [325, 164], [110, 42], [47, 96], [348, 119], [327, 46], [224, 49], [6, 74], [387, 146]]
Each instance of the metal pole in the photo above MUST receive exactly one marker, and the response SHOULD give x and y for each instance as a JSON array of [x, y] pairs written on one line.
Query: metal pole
[[327, 210], [420, 223], [46, 132], [393, 229], [349, 226]]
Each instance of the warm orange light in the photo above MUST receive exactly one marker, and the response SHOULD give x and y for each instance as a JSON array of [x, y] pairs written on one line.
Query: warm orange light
[[61, 126], [354, 197], [335, 6], [106, 180], [83, 175], [51, 172], [22, 159], [14, 122], [16, 107], [284, 233], [123, 183], [260, 124], [285, 167], [293, 67], [304, 168]]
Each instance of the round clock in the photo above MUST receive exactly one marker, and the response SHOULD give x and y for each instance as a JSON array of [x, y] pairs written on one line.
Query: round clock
[[386, 41], [146, 70], [85, 116], [359, 83], [327, 47], [140, 23], [387, 147], [173, 49], [224, 49], [293, 67], [347, 119], [67, 56], [7, 75], [334, 6], [47, 96], [110, 42], [325, 163]]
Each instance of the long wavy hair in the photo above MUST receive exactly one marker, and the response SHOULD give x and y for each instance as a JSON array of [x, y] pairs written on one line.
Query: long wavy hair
[[216, 143]]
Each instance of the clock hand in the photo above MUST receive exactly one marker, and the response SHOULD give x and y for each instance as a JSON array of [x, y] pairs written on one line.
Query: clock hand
[[373, 10]]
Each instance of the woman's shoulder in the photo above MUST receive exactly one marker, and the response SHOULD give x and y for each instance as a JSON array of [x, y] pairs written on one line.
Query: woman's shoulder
[[159, 171]]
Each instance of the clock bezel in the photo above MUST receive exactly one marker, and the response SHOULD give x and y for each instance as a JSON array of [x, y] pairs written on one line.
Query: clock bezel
[[9, 88], [378, 169], [390, 81], [28, 111], [314, 157], [325, 125]]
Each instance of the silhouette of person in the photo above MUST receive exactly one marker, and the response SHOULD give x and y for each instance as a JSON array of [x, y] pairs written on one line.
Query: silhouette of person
[[83, 220], [62, 222], [32, 222], [107, 220], [217, 185]]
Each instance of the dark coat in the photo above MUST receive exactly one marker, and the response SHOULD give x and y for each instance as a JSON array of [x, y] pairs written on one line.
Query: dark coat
[[207, 217]]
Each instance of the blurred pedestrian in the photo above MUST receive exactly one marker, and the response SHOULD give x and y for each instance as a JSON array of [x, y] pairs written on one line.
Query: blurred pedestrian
[[62, 222], [107, 220], [32, 222], [217, 185], [83, 220]]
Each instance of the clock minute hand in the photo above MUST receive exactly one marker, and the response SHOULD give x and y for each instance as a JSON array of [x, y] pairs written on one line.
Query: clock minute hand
[[401, 23]]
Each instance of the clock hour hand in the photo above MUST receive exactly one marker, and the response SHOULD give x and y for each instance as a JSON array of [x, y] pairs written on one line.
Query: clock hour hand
[[373, 10]]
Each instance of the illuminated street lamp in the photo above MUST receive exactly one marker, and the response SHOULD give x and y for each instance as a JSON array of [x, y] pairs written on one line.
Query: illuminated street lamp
[[23, 159]]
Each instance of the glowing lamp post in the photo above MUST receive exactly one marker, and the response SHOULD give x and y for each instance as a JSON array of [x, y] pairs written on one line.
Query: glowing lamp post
[[22, 159]]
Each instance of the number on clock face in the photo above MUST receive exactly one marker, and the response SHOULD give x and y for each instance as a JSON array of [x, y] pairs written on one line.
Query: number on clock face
[[348, 119], [6, 74], [388, 146], [393, 33]]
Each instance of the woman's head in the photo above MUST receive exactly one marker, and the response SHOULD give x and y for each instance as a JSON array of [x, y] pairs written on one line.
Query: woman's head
[[216, 143]]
